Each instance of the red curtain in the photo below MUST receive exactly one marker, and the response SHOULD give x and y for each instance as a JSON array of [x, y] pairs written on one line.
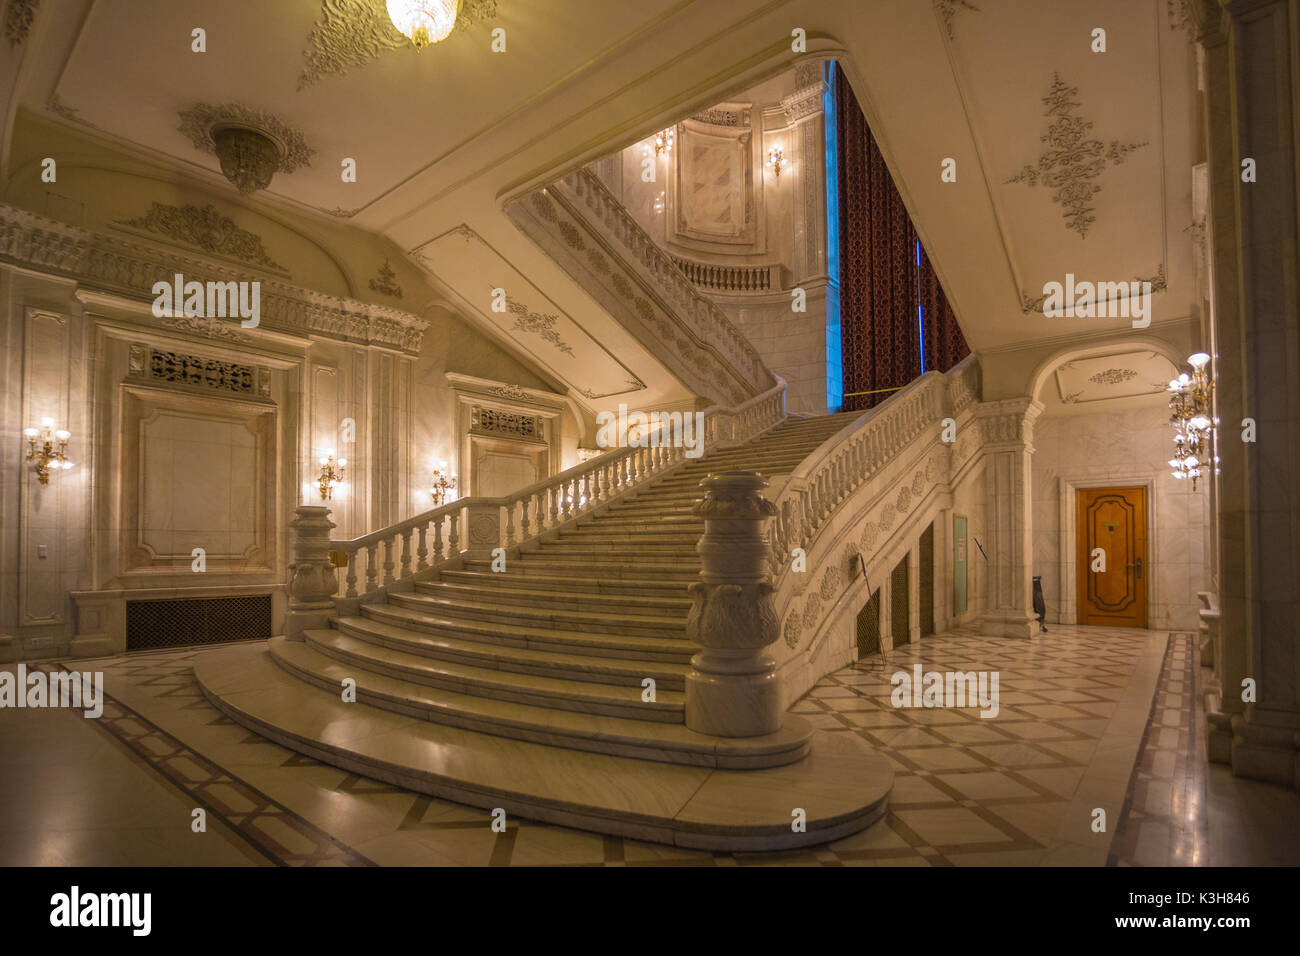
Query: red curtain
[[880, 281]]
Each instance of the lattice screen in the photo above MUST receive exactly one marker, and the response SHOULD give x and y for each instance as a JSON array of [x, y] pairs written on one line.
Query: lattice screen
[[153, 624]]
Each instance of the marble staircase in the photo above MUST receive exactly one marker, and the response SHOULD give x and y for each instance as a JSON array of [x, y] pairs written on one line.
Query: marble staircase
[[548, 661]]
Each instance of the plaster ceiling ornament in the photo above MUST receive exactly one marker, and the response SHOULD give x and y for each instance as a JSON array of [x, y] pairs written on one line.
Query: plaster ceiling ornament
[[1072, 161], [59, 108], [340, 213], [19, 15], [1034, 303], [206, 229], [385, 282], [539, 324], [793, 626], [351, 33], [1113, 376], [722, 116], [251, 145], [948, 9], [918, 482]]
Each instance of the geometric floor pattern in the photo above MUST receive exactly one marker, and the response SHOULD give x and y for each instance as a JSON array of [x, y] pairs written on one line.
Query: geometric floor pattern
[[969, 790]]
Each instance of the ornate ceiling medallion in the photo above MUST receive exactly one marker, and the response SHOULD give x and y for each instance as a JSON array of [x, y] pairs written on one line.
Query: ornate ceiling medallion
[[251, 145], [1071, 161], [18, 20], [351, 33]]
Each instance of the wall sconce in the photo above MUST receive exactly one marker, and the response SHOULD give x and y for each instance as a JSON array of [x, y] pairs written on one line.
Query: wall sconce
[[664, 140], [41, 451], [442, 483], [776, 160], [331, 474], [1190, 400]]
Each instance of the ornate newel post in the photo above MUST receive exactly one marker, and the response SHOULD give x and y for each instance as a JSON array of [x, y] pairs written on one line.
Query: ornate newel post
[[312, 578], [732, 689]]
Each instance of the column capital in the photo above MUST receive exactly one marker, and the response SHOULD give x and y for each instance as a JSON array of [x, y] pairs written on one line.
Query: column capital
[[1008, 424]]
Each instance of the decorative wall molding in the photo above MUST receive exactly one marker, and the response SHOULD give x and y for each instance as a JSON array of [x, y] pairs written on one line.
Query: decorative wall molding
[[737, 117], [205, 229], [1113, 376], [496, 421], [1071, 162], [198, 120], [804, 102], [351, 33], [208, 327], [105, 262], [385, 282], [192, 371], [19, 15], [508, 391]]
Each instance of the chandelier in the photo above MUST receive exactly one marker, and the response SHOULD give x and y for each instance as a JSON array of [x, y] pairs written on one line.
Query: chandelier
[[1190, 401], [664, 140], [249, 157], [423, 21]]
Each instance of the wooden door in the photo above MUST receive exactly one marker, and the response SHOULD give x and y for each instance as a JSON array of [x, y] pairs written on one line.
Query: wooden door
[[1112, 534]]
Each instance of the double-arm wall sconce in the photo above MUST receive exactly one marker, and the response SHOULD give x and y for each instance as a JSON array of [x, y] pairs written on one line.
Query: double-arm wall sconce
[[1191, 402], [331, 474], [41, 451], [664, 140], [441, 484]]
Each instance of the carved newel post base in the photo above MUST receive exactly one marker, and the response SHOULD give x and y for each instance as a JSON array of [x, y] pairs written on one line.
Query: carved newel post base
[[312, 578], [732, 689]]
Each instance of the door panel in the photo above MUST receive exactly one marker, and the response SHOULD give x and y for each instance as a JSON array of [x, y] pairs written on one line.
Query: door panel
[[1115, 521]]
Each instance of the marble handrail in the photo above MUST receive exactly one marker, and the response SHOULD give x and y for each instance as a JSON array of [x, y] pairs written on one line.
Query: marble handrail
[[708, 322], [849, 459], [486, 523]]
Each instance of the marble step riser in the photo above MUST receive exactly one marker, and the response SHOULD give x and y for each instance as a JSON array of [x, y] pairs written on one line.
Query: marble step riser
[[576, 598], [532, 733], [589, 536], [498, 656], [637, 649], [632, 709], [587, 544], [520, 617], [683, 569], [582, 580]]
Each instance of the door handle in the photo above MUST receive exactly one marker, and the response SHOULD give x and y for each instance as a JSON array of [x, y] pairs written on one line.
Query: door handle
[[1137, 565]]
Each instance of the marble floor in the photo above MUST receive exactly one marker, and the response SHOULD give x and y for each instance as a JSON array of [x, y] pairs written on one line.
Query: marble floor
[[1089, 718]]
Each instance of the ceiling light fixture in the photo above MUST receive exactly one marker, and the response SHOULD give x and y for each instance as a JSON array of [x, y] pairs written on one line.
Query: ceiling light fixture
[[423, 21], [249, 157]]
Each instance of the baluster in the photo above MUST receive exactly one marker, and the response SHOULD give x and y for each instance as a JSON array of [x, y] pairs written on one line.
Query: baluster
[[593, 479], [372, 569], [422, 552], [437, 540], [555, 493], [388, 562], [510, 524], [523, 516], [352, 575], [406, 554], [453, 539]]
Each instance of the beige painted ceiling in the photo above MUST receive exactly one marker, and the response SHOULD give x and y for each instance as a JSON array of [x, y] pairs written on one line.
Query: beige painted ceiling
[[446, 136]]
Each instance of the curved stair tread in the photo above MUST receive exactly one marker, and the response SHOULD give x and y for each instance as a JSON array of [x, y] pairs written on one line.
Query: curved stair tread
[[646, 739], [511, 657], [417, 600], [842, 786], [481, 592], [488, 681], [534, 636]]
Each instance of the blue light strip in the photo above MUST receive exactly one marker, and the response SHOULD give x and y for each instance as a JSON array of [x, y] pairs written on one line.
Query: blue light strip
[[920, 315]]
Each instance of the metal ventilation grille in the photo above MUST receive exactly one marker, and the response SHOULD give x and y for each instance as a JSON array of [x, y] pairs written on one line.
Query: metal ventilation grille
[[899, 610], [153, 624], [868, 629], [926, 584]]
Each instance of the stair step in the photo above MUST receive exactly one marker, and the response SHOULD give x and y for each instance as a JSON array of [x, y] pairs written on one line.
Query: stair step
[[843, 786], [579, 542], [682, 568], [415, 678], [611, 619], [558, 579], [621, 646], [521, 660], [569, 597]]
